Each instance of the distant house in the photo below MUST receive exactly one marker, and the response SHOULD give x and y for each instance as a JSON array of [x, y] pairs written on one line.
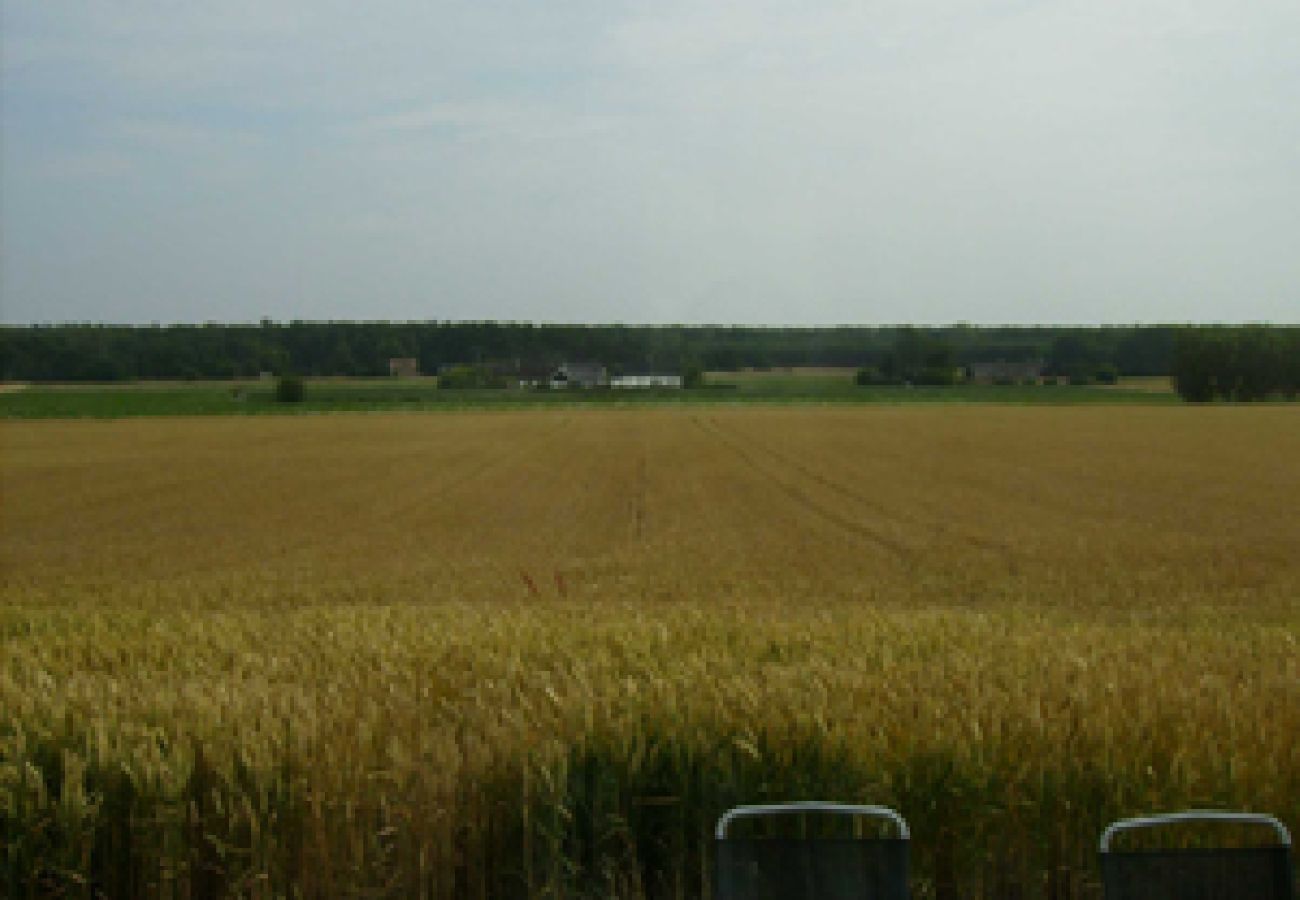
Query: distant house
[[648, 380], [403, 367], [580, 375], [1019, 372]]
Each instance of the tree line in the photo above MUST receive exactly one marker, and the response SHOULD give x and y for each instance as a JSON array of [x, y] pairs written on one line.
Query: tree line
[[1254, 362], [89, 352]]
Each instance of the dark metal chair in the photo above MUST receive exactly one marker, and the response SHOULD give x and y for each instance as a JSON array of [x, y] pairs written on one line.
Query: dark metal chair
[[1229, 873], [834, 867]]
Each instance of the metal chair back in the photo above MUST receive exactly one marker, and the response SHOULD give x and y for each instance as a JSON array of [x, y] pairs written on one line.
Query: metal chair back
[[1228, 873], [811, 868]]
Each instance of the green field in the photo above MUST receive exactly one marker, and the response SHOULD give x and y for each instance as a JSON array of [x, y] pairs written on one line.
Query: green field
[[202, 398]]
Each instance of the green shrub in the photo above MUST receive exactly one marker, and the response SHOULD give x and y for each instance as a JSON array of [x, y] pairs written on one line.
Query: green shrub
[[1107, 374], [935, 375], [870, 375], [468, 377], [290, 389]]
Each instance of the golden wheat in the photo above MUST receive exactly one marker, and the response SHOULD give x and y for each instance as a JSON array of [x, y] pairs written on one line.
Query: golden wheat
[[537, 653]]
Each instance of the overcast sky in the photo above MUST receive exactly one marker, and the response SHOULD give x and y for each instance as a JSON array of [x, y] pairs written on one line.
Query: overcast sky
[[876, 161]]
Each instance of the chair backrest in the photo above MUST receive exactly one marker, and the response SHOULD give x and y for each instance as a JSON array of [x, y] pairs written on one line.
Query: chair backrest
[[811, 868], [1229, 873]]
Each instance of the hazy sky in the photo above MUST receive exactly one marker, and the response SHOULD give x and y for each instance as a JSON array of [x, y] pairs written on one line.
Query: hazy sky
[[860, 162]]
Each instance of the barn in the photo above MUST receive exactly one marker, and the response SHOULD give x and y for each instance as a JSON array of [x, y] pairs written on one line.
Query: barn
[[403, 367], [580, 375]]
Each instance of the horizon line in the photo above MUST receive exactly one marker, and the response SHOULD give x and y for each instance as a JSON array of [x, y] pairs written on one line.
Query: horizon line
[[543, 323]]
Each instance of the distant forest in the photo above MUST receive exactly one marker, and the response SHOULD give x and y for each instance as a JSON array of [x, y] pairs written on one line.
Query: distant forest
[[119, 352], [1236, 362]]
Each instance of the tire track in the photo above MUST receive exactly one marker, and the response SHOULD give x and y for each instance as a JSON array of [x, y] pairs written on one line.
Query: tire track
[[641, 491], [941, 531], [514, 449], [801, 498]]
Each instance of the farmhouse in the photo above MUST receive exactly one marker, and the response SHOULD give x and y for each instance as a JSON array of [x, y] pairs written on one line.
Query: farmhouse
[[991, 372], [403, 367], [580, 375]]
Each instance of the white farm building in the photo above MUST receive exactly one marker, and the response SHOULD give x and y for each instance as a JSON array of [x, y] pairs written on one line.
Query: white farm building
[[594, 375], [646, 381]]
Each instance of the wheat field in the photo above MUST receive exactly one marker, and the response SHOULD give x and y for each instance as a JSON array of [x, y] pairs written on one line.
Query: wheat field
[[537, 653]]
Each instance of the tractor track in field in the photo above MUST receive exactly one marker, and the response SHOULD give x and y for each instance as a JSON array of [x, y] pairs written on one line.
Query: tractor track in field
[[941, 531], [514, 450], [801, 497], [641, 491], [500, 456]]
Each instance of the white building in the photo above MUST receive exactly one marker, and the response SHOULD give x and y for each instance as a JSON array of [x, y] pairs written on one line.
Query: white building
[[646, 381]]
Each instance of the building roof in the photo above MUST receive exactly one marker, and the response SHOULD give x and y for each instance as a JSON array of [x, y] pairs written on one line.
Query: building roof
[[580, 369]]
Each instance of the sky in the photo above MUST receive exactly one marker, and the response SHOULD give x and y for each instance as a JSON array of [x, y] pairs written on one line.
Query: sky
[[868, 162]]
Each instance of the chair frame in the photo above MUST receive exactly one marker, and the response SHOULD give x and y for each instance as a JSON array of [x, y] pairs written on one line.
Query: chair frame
[[1194, 815], [810, 806], [816, 807], [1204, 815]]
